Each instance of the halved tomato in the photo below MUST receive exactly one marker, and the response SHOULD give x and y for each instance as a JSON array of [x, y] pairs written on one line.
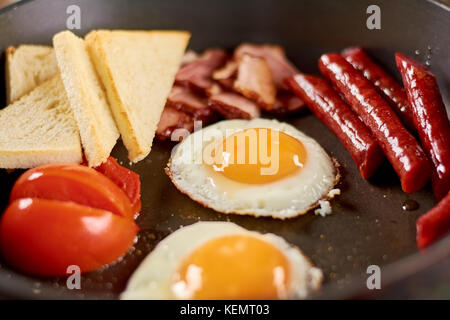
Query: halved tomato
[[73, 182], [126, 179], [44, 237]]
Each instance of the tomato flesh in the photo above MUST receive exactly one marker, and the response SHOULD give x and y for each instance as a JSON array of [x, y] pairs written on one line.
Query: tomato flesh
[[44, 237], [72, 182], [126, 179]]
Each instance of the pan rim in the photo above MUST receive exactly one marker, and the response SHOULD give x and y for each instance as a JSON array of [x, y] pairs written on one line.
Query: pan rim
[[17, 286]]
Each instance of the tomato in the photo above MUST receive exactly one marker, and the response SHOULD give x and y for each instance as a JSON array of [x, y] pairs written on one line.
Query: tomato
[[44, 237], [72, 182], [126, 179]]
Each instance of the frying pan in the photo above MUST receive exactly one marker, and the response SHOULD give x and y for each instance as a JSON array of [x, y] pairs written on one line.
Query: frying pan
[[368, 225]]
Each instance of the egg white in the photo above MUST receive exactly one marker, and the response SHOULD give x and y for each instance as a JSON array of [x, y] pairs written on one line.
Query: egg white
[[153, 279], [285, 198]]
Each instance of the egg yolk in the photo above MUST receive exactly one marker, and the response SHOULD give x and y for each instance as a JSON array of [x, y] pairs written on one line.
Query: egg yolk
[[258, 156], [233, 267]]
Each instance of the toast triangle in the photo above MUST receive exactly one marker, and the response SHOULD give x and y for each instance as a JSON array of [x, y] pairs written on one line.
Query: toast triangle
[[86, 96], [27, 66], [138, 70], [39, 128]]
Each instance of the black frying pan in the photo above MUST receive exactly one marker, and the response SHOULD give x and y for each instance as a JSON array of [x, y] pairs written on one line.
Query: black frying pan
[[368, 225]]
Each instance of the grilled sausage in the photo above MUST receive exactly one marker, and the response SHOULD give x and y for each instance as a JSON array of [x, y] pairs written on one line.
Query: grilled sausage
[[400, 147], [430, 118], [390, 89], [326, 104]]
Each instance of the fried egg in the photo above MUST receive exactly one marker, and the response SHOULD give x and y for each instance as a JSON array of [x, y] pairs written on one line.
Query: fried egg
[[220, 260], [259, 167]]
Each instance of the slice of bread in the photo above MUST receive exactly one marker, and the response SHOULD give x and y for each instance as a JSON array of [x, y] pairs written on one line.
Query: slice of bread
[[86, 96], [138, 69], [39, 128], [27, 66]]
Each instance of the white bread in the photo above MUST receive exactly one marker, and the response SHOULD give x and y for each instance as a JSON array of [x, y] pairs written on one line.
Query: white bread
[[138, 69], [86, 96], [39, 128], [27, 66]]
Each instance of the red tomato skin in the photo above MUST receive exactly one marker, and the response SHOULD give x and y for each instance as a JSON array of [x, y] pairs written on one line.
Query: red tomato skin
[[72, 182], [43, 237], [126, 179]]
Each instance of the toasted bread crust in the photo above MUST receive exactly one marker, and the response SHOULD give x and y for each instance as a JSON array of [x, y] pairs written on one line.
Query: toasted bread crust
[[8, 54]]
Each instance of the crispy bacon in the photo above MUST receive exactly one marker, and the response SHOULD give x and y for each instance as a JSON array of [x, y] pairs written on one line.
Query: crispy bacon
[[254, 81], [228, 71], [227, 84], [275, 56], [194, 105], [211, 85], [226, 75], [232, 105], [207, 118], [183, 99], [198, 74], [214, 89], [287, 104], [172, 119]]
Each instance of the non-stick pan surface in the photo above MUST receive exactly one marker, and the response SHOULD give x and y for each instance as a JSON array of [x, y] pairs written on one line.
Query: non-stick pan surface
[[368, 225]]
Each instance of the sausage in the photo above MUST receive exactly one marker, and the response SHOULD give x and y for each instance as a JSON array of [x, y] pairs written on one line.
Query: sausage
[[434, 224], [389, 88], [400, 147], [326, 104], [430, 119]]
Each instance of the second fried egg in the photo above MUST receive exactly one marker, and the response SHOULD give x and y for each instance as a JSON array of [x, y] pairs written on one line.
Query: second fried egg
[[259, 167]]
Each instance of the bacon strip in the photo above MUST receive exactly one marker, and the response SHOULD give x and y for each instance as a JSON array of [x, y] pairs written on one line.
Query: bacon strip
[[225, 76], [255, 81], [172, 119], [215, 88], [234, 106], [287, 104], [198, 74], [275, 57], [228, 71], [227, 84], [207, 86], [183, 99]]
